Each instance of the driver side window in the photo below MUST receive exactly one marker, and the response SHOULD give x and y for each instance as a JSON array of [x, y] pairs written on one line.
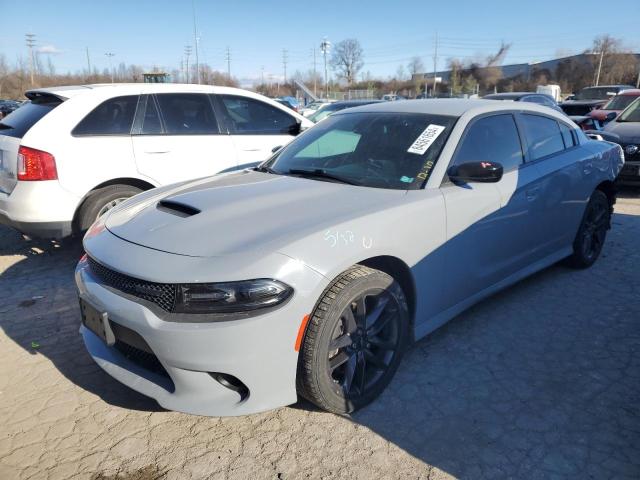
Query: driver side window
[[491, 139]]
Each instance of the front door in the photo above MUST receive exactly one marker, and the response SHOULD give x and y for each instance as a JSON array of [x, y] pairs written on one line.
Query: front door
[[489, 225], [177, 138]]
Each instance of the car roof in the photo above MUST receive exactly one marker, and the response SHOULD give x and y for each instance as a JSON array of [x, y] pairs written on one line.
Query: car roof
[[447, 106], [66, 92], [509, 95], [626, 87], [631, 91]]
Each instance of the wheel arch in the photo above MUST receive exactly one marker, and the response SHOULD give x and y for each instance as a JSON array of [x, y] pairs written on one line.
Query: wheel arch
[[400, 271], [609, 189], [130, 181]]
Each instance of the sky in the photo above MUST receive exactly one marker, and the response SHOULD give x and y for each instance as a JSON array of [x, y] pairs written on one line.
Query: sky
[[155, 33]]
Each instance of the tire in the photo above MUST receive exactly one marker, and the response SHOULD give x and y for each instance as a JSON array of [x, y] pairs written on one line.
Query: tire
[[591, 235], [100, 201], [342, 366]]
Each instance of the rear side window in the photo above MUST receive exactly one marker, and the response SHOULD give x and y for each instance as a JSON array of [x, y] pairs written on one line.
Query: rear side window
[[17, 123], [543, 136], [491, 139], [567, 136], [187, 114], [249, 116], [111, 117]]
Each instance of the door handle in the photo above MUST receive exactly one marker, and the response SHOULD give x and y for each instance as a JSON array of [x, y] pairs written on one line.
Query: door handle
[[532, 193]]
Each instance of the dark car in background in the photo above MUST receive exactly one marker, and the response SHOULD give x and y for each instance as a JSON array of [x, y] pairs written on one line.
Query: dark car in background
[[531, 97], [327, 110], [625, 131], [8, 106], [591, 98]]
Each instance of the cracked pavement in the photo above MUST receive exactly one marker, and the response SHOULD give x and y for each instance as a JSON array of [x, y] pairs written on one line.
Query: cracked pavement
[[540, 381]]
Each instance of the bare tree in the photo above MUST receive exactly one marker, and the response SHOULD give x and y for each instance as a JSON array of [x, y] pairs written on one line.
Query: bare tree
[[415, 66], [347, 59]]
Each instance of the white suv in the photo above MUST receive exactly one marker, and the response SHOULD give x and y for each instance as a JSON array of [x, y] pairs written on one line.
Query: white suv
[[71, 153]]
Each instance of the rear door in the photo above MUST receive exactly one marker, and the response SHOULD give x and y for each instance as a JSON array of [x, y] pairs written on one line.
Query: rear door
[[12, 128], [256, 127], [551, 147], [177, 137]]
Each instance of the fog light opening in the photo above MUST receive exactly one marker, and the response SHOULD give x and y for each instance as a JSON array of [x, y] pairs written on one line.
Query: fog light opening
[[232, 383]]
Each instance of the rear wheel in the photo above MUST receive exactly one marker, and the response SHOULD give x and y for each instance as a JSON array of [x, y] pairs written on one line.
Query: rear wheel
[[354, 341], [100, 201], [592, 232]]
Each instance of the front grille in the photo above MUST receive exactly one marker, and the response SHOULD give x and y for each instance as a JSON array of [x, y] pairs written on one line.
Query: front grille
[[161, 294]]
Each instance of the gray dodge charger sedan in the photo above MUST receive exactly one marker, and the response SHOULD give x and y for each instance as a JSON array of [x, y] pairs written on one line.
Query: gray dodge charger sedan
[[312, 273]]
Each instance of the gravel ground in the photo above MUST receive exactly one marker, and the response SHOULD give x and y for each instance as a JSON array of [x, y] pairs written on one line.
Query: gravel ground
[[539, 381]]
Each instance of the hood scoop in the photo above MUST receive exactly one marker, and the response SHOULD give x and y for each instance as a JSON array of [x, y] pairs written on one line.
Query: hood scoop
[[177, 208]]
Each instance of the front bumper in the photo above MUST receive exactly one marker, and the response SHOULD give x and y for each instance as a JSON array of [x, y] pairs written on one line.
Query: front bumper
[[630, 174], [258, 351], [39, 209]]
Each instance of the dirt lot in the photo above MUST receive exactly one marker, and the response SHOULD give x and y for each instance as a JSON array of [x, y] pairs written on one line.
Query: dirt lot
[[540, 381]]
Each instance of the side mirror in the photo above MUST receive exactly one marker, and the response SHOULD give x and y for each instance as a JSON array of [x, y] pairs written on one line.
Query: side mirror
[[595, 136], [295, 129], [611, 116], [480, 172]]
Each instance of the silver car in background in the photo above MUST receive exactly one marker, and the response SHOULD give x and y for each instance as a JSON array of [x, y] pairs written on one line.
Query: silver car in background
[[312, 273]]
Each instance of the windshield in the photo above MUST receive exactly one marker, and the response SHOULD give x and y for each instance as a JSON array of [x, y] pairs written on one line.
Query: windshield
[[383, 150], [631, 114], [323, 112], [619, 102], [601, 93]]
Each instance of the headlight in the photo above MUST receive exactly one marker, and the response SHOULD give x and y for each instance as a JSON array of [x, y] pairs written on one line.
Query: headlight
[[231, 297]]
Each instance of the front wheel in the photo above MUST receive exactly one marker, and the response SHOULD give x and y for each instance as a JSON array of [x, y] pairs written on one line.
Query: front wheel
[[354, 341], [592, 232]]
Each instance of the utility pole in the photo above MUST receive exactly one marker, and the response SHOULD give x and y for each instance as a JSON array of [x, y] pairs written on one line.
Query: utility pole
[[435, 65], [31, 42], [228, 58], [110, 55], [196, 39], [262, 76], [284, 64], [599, 65], [187, 52], [88, 62], [325, 46], [315, 75], [638, 80]]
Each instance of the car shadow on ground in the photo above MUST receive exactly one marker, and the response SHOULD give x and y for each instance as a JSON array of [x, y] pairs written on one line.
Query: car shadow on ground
[[538, 381], [39, 311]]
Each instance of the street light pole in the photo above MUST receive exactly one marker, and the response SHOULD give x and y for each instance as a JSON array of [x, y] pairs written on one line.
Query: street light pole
[[324, 47]]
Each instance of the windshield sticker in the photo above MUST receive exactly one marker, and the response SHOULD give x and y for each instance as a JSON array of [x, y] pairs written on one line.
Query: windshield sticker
[[406, 179], [426, 138]]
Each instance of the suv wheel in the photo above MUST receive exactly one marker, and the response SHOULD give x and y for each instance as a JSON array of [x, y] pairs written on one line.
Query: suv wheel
[[101, 201]]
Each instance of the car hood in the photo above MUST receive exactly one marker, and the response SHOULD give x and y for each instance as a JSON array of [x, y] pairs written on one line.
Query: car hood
[[242, 212], [622, 132]]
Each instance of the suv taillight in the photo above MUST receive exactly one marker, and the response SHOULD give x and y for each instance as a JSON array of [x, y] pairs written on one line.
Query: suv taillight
[[36, 165]]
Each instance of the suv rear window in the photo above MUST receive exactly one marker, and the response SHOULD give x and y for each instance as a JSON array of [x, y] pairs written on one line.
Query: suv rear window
[[17, 123], [111, 117]]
